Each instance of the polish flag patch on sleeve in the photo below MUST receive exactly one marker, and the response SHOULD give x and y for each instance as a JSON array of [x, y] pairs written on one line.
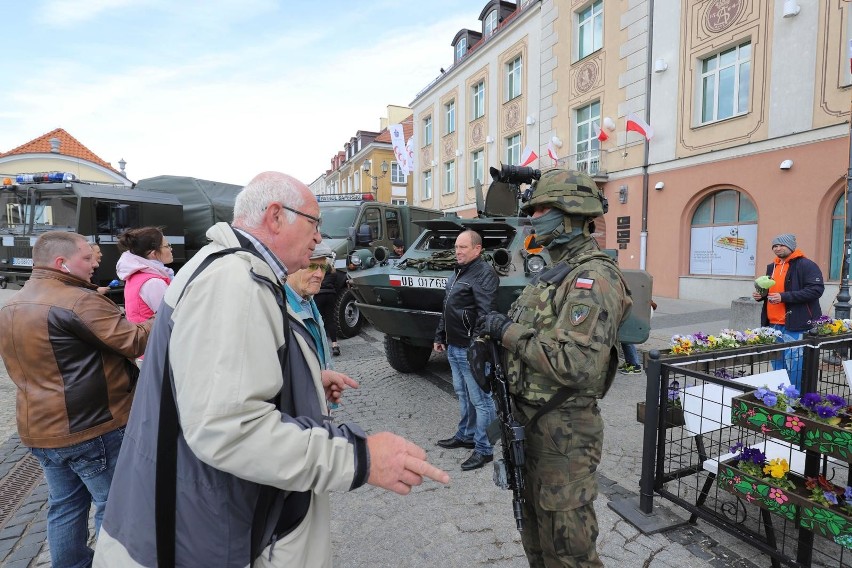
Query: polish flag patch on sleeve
[[584, 283]]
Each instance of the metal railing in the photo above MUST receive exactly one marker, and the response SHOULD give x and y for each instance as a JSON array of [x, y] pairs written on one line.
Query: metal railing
[[592, 162]]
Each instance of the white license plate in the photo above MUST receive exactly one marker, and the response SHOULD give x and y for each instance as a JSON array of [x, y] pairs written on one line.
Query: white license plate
[[22, 262], [408, 281]]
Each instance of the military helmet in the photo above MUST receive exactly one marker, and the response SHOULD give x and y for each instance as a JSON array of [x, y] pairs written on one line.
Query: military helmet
[[573, 192]]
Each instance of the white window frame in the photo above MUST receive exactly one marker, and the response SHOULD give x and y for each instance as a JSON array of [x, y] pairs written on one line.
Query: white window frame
[[587, 147], [491, 23], [589, 25], [427, 130], [513, 149], [513, 77], [477, 166], [740, 64], [477, 100], [461, 48], [449, 177], [450, 117], [398, 201], [427, 184], [397, 175]]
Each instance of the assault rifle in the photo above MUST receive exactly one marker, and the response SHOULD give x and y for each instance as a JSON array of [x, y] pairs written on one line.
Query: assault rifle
[[484, 359]]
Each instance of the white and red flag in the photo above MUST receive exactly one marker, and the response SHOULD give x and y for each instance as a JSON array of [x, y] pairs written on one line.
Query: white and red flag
[[551, 151], [599, 132], [399, 150], [636, 124], [528, 157]]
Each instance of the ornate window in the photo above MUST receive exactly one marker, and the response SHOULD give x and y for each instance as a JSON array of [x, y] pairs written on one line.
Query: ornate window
[[449, 177], [590, 29], [477, 100], [725, 79], [513, 150], [513, 78]]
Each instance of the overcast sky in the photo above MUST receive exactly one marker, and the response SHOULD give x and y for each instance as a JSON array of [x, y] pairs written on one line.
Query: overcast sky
[[218, 89]]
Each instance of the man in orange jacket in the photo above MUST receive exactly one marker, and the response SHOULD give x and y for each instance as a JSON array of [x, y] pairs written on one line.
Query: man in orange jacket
[[793, 301]]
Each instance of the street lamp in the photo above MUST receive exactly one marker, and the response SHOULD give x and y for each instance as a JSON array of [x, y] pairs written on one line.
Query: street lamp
[[368, 167]]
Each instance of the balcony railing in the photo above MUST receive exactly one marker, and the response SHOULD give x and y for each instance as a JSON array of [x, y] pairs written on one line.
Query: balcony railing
[[592, 162]]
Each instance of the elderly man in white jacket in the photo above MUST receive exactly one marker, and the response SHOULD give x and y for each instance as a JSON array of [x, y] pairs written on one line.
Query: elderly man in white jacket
[[229, 454]]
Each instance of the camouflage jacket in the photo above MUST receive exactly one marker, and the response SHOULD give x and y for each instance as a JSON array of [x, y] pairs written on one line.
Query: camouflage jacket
[[566, 326]]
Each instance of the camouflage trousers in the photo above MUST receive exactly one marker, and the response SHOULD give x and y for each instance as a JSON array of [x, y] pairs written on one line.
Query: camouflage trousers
[[563, 450]]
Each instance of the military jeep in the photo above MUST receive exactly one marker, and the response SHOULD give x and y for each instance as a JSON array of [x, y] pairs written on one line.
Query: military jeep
[[403, 298]]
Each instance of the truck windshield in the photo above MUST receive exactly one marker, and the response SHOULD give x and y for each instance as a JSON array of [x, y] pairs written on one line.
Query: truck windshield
[[46, 212], [336, 220]]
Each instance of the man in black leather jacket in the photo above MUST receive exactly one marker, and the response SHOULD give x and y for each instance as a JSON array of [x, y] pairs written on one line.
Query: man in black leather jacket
[[471, 293]]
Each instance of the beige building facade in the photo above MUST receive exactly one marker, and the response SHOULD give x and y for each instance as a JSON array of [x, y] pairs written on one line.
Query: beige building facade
[[749, 102]]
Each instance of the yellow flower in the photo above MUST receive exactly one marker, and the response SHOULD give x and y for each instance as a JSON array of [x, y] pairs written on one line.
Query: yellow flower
[[777, 468], [836, 326]]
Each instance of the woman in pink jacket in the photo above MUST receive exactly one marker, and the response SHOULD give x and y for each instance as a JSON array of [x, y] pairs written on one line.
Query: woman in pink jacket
[[142, 266]]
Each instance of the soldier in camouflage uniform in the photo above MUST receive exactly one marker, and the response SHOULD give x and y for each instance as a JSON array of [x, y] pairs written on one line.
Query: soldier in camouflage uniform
[[559, 342]]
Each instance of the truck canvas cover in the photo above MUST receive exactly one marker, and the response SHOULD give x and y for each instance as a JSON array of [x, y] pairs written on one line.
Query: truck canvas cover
[[205, 202]]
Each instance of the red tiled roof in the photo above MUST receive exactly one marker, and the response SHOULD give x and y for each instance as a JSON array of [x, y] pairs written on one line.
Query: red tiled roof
[[69, 146], [407, 130]]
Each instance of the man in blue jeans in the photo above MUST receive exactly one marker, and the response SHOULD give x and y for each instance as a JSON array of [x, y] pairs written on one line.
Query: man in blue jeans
[[70, 352], [471, 293]]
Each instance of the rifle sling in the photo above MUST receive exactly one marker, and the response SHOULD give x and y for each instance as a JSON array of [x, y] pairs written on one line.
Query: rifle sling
[[555, 402]]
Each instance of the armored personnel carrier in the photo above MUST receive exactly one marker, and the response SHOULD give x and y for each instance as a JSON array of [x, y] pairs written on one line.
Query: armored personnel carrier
[[403, 298]]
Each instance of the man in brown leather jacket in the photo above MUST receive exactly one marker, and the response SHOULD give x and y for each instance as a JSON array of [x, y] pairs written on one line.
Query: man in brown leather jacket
[[70, 352]]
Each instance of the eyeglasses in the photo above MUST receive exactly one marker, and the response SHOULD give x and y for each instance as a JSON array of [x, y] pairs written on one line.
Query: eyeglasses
[[325, 267], [166, 246], [317, 220]]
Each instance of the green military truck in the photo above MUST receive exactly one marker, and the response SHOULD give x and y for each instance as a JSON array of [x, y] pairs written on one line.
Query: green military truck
[[404, 299], [356, 227], [31, 204]]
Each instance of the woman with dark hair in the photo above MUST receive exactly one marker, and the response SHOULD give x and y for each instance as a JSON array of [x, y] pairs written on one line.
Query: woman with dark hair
[[142, 266]]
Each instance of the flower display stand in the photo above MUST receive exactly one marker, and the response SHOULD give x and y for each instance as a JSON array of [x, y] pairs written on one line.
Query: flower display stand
[[674, 415], [828, 439], [793, 505], [750, 412], [756, 490]]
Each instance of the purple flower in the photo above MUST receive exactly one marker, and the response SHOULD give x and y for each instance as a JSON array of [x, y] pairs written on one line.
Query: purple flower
[[825, 411], [830, 497], [761, 392], [836, 400], [811, 399], [848, 494], [789, 391], [739, 446], [754, 455], [770, 399]]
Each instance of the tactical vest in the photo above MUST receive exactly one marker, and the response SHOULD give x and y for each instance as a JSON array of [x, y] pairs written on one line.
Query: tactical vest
[[538, 308]]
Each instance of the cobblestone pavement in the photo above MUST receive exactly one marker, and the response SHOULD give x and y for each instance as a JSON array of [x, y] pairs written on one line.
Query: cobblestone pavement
[[466, 523]]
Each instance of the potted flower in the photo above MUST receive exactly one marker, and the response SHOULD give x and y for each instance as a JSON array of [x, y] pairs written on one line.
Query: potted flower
[[770, 412], [827, 509], [766, 484], [827, 425], [674, 408], [825, 325]]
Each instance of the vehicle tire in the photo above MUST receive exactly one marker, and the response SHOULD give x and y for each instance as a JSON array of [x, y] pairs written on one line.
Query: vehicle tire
[[349, 318], [404, 357]]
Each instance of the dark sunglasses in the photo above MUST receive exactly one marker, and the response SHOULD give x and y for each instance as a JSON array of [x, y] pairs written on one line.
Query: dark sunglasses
[[317, 266]]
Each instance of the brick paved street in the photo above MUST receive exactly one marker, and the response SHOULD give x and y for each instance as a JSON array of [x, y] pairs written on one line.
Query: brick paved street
[[468, 522]]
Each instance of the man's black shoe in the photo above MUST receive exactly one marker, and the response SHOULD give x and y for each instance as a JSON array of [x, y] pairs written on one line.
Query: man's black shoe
[[452, 443], [475, 461]]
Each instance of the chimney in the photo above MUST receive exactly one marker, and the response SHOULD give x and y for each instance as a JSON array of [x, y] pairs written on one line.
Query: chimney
[[54, 145]]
